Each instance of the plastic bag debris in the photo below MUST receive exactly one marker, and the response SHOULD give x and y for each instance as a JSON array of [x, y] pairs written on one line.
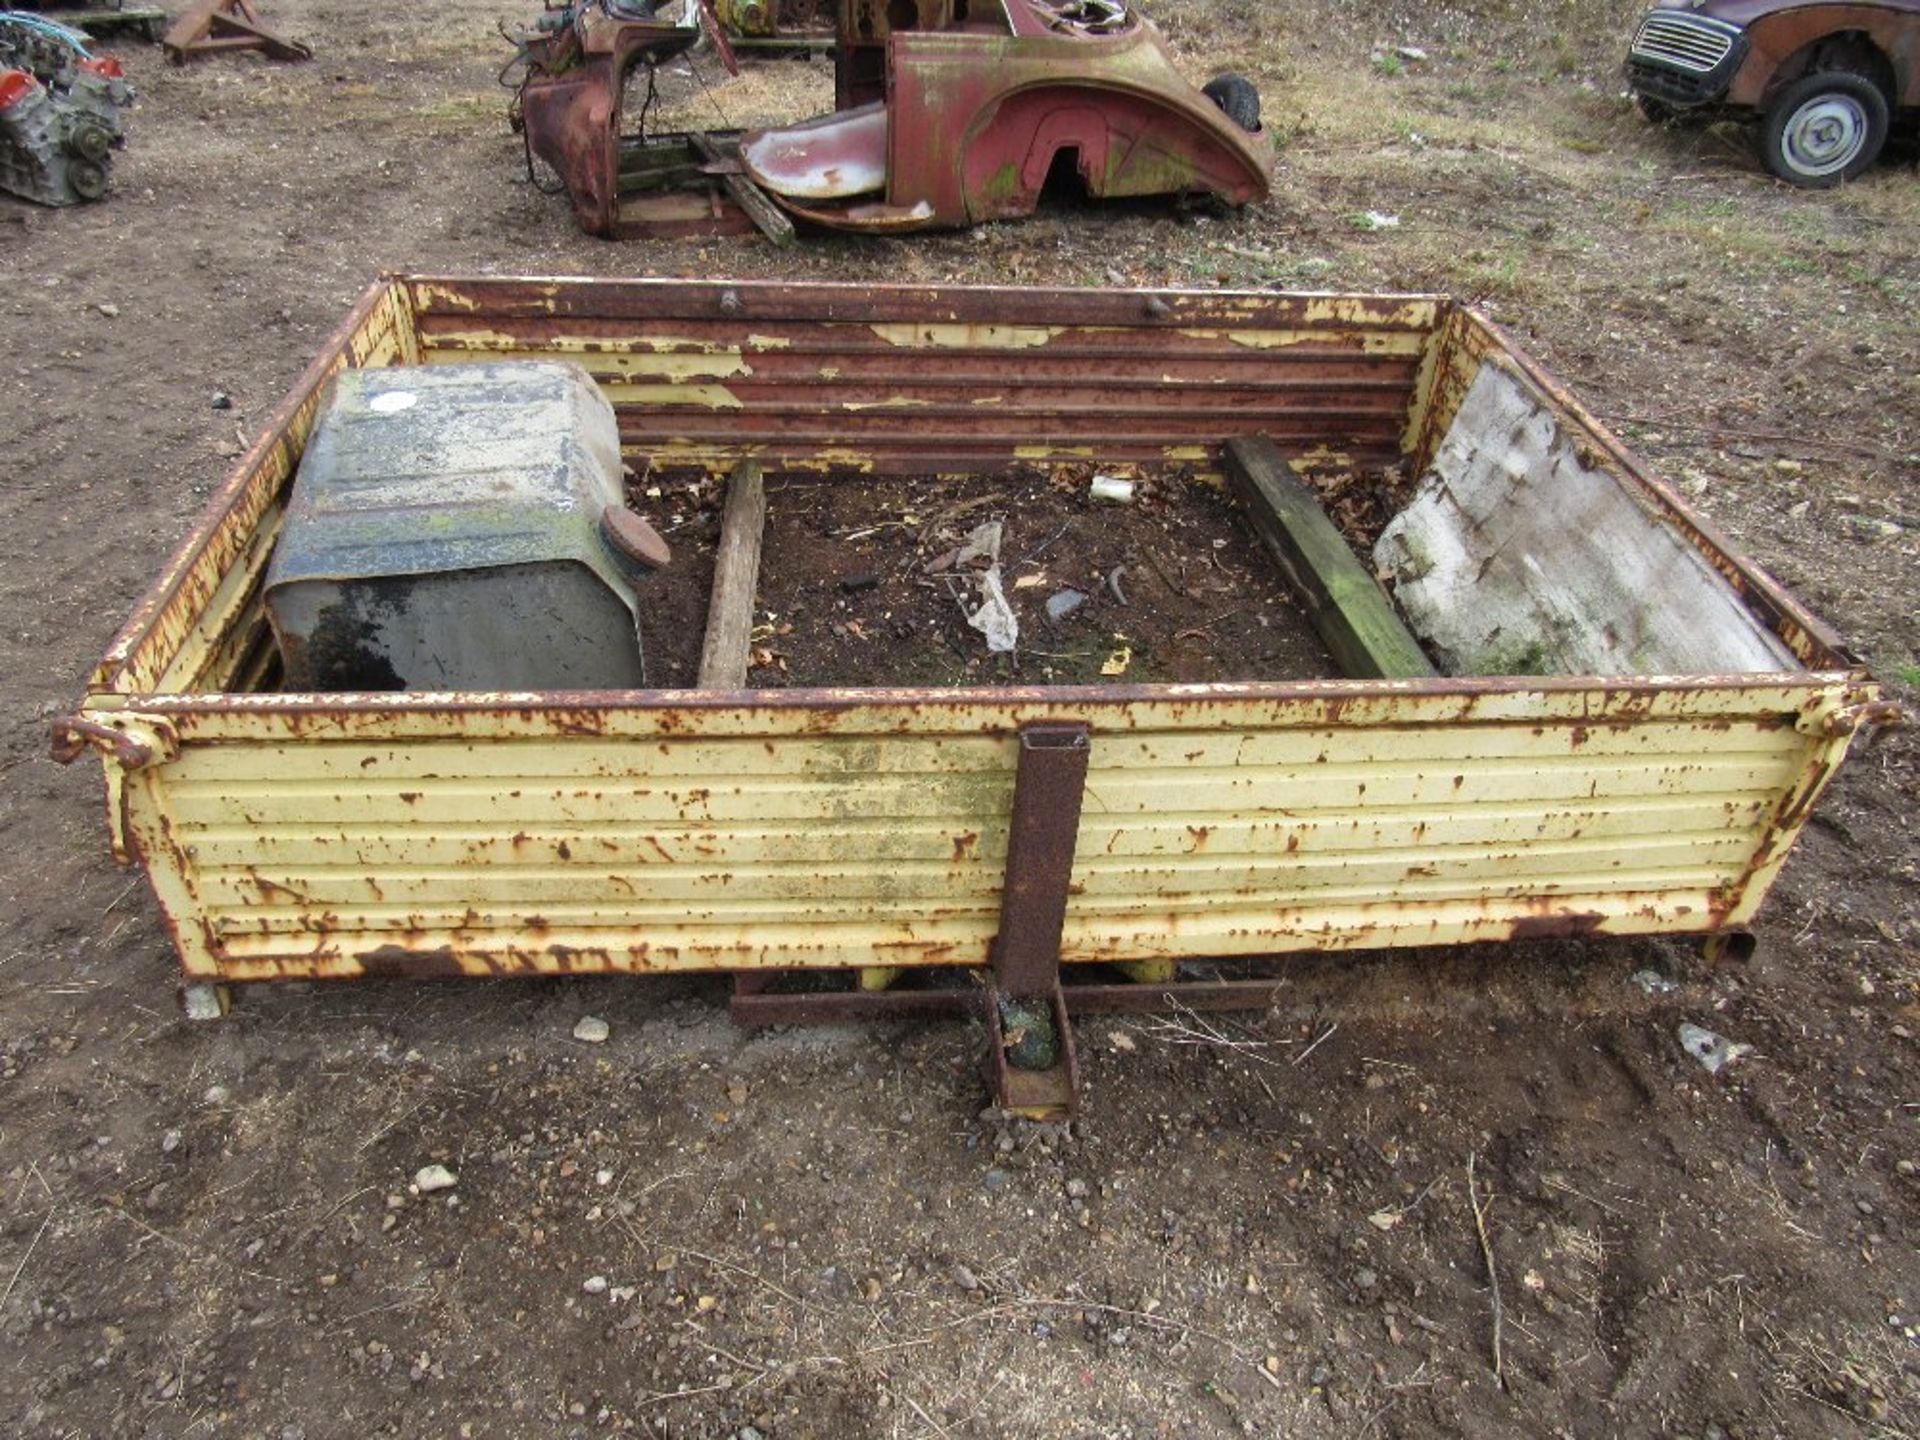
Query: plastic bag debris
[[994, 618], [1063, 603], [982, 544], [1714, 1052], [1653, 982], [1112, 489]]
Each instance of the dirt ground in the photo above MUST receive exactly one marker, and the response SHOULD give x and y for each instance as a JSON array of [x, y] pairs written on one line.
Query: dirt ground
[[866, 585], [689, 1230]]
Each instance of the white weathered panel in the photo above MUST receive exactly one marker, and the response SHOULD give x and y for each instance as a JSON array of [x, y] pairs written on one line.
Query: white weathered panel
[[1519, 556]]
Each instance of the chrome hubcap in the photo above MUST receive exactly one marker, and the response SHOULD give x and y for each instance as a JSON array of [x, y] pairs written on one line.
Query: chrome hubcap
[[1825, 134]]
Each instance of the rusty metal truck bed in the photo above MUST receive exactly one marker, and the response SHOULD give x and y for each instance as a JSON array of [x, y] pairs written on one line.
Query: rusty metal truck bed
[[340, 835]]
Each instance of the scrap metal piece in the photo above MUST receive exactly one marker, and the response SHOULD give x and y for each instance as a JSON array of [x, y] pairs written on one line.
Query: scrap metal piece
[[831, 157], [1049, 785], [949, 121], [449, 530], [208, 27], [757, 1001], [674, 832], [570, 103]]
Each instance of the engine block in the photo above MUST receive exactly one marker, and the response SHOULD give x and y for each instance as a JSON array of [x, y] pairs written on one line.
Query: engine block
[[60, 112]]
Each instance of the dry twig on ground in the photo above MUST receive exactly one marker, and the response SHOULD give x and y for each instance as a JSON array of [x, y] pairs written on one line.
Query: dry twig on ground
[[1480, 1209]]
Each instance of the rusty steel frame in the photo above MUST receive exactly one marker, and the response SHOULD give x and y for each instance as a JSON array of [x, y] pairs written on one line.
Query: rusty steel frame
[[757, 1000], [1048, 787], [211, 27]]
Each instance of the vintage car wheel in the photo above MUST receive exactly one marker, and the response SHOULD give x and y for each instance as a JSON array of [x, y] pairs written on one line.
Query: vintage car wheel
[[1824, 128], [1236, 96]]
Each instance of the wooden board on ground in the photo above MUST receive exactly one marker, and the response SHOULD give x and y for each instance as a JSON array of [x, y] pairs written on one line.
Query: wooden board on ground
[[1346, 604], [736, 572], [148, 20]]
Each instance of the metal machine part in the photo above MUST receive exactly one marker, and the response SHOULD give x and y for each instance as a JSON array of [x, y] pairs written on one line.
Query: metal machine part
[[461, 527], [59, 111]]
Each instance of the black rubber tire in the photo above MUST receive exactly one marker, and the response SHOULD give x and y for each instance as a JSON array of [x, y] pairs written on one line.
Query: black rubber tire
[[1823, 129], [1235, 95]]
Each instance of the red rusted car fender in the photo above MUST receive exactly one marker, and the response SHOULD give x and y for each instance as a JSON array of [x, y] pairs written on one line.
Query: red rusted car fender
[[1777, 37], [976, 121], [572, 123], [1127, 144]]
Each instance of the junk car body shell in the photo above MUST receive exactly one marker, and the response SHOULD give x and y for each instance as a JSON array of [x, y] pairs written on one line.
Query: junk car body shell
[[973, 120]]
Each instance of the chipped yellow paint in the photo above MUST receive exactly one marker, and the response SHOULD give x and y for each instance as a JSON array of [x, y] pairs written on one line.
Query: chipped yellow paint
[[875, 834], [1323, 455], [428, 296], [1371, 342], [1434, 353], [892, 402], [845, 457], [756, 341], [1053, 452], [919, 336], [717, 457], [649, 355], [1411, 312], [707, 397]]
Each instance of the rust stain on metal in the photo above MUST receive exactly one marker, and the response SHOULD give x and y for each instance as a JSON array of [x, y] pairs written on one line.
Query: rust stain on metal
[[396, 962], [1562, 926]]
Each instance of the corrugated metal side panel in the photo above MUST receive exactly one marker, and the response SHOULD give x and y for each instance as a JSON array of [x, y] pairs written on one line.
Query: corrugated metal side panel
[[908, 380], [1240, 845], [201, 619], [849, 834], [573, 854]]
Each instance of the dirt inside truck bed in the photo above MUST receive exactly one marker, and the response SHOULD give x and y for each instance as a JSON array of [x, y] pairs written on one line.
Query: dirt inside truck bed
[[862, 583]]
